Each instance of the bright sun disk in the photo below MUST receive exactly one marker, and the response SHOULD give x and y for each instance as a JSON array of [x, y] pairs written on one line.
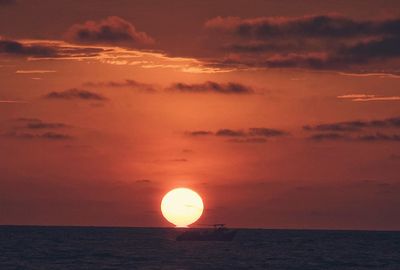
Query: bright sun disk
[[182, 206]]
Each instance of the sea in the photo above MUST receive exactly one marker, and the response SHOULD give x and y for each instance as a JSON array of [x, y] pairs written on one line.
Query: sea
[[75, 248]]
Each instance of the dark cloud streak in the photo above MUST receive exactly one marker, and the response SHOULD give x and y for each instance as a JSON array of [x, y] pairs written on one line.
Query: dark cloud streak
[[18, 49], [251, 135], [355, 126], [230, 133], [199, 133], [267, 132], [128, 83], [75, 93], [51, 136], [319, 26], [34, 123], [212, 87]]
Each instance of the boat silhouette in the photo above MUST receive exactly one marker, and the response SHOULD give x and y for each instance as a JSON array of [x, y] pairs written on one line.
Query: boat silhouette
[[218, 233]]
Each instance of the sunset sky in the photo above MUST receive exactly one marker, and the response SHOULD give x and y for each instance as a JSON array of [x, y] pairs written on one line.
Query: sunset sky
[[280, 114]]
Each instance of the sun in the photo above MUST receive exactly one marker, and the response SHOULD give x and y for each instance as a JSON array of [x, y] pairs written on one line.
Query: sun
[[182, 206]]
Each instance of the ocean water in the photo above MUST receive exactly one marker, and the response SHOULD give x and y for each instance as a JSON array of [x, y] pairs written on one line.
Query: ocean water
[[154, 248]]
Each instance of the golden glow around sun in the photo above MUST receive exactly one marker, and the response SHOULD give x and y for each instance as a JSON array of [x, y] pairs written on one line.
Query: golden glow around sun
[[182, 206]]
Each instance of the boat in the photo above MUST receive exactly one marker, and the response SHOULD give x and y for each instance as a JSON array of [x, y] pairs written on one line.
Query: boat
[[219, 233]]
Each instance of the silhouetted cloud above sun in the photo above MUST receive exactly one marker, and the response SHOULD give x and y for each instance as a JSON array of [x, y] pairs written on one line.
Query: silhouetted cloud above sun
[[112, 30], [314, 42]]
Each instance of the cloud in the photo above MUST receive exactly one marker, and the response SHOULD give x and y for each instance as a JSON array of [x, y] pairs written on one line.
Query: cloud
[[331, 136], [198, 133], [371, 74], [34, 128], [123, 84], [41, 125], [379, 137], [34, 71], [357, 125], [32, 123], [112, 30], [45, 49], [311, 42], [363, 51], [12, 101], [368, 97], [251, 135], [230, 133], [75, 93], [266, 132], [319, 26], [341, 126], [358, 130], [55, 136], [108, 54], [212, 87], [16, 48], [52, 136]]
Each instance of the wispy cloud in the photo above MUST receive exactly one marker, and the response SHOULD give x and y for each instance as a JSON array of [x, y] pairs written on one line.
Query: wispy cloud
[[357, 130], [52, 136], [330, 136], [250, 135], [33, 123], [12, 101], [368, 97], [128, 83], [199, 133], [75, 93], [374, 137], [34, 71], [355, 126], [212, 87], [380, 137], [371, 74], [35, 128], [37, 50]]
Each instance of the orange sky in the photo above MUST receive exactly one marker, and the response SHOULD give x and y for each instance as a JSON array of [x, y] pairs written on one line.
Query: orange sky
[[281, 115]]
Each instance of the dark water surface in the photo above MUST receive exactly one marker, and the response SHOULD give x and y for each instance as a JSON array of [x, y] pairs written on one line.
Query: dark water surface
[[151, 248]]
